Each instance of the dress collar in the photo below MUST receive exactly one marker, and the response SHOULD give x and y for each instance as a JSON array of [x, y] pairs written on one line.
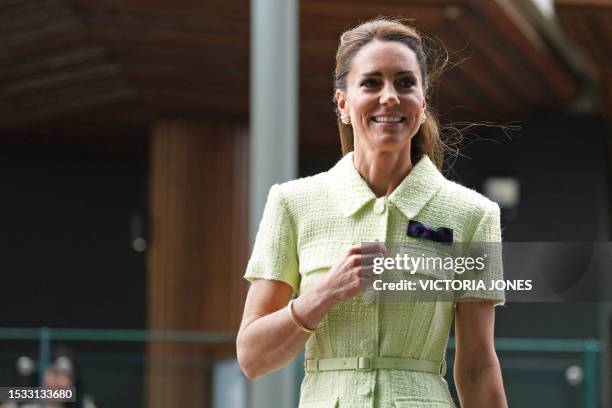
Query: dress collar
[[417, 188]]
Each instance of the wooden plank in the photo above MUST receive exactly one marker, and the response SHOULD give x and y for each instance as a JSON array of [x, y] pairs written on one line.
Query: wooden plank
[[328, 33], [59, 78], [320, 13], [232, 7], [18, 24], [588, 41], [72, 93], [584, 27], [388, 3], [20, 9], [171, 98], [506, 64], [583, 3], [168, 21], [68, 25], [504, 18], [198, 249], [220, 75], [154, 52], [8, 5], [187, 56], [51, 60], [66, 107], [166, 37], [28, 50]]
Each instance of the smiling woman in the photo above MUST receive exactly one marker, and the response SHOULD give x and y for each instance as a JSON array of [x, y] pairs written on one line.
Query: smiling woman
[[362, 351], [382, 67], [383, 98]]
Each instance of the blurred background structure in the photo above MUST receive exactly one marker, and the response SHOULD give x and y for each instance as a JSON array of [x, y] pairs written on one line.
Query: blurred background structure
[[138, 140]]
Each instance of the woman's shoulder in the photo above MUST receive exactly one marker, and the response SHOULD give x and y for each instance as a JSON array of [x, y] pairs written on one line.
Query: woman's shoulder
[[461, 198], [304, 191]]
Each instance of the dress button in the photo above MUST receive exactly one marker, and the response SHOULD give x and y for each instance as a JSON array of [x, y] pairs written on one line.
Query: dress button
[[367, 346], [380, 205]]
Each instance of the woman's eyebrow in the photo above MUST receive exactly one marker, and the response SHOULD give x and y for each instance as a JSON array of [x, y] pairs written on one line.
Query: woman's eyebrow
[[379, 74]]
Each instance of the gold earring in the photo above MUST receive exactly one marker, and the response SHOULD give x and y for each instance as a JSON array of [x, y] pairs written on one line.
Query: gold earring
[[423, 117], [345, 118]]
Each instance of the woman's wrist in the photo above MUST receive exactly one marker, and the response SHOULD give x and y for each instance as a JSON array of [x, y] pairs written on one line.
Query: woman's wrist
[[312, 305], [296, 320], [323, 295]]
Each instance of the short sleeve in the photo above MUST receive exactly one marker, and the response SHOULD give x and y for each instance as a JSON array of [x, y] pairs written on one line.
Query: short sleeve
[[487, 241], [274, 253]]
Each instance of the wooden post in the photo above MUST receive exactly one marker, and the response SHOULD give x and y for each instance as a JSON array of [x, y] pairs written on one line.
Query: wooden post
[[198, 250]]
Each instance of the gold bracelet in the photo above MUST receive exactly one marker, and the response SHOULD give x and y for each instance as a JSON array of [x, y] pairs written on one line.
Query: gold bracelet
[[295, 320]]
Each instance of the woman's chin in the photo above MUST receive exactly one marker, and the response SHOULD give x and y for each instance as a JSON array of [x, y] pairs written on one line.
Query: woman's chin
[[390, 141]]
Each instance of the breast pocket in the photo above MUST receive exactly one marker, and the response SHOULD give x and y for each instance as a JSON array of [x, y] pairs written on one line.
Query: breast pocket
[[318, 258], [321, 255]]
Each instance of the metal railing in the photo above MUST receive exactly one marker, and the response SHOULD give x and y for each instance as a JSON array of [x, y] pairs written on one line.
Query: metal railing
[[587, 348]]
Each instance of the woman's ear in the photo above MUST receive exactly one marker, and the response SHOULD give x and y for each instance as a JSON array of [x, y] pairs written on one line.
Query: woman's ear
[[340, 99]]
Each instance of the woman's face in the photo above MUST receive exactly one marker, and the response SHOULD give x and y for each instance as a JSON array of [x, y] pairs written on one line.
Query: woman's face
[[384, 83]]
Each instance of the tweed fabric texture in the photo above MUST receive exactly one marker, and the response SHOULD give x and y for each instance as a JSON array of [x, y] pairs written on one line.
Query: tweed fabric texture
[[307, 226]]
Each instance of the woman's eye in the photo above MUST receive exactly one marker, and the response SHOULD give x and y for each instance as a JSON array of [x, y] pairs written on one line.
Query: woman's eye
[[407, 82], [369, 83]]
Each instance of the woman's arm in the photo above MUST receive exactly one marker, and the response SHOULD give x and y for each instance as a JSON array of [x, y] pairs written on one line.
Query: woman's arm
[[477, 371], [268, 339]]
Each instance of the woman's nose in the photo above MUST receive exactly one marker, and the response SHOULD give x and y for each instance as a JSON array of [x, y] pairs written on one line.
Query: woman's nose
[[389, 96]]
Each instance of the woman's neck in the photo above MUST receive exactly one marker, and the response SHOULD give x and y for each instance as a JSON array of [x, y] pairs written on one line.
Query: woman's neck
[[383, 171]]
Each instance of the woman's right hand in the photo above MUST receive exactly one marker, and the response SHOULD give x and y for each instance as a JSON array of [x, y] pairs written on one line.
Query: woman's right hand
[[353, 271]]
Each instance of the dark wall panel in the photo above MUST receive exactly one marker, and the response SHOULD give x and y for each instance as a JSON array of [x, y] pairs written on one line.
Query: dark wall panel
[[65, 248]]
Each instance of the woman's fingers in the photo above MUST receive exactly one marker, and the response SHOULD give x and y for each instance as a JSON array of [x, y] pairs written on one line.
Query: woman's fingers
[[366, 248], [368, 259], [355, 271]]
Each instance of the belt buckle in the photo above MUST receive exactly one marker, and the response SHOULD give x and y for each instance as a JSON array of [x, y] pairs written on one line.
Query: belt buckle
[[311, 365], [364, 363]]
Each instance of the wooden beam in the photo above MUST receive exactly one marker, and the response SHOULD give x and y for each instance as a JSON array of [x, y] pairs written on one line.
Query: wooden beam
[[37, 108], [510, 23], [198, 250], [39, 83], [317, 12], [127, 35], [51, 60], [584, 3], [39, 33]]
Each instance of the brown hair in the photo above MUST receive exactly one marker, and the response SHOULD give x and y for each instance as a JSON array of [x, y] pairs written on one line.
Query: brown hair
[[427, 140]]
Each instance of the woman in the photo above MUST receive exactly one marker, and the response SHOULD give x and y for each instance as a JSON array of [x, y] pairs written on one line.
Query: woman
[[363, 353]]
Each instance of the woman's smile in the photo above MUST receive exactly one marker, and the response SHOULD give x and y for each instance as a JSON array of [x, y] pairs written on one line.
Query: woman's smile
[[388, 122]]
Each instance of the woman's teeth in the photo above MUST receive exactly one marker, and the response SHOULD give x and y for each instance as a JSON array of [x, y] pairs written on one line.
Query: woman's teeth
[[387, 119]]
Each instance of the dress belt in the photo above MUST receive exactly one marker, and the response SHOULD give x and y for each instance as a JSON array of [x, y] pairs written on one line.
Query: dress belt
[[374, 363]]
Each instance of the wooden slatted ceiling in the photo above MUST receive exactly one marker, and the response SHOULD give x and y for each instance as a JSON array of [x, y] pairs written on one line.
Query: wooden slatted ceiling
[[50, 66], [190, 56], [134, 60], [588, 24], [166, 58]]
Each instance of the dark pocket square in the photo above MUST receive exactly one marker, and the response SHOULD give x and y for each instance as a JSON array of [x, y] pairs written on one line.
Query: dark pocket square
[[417, 229]]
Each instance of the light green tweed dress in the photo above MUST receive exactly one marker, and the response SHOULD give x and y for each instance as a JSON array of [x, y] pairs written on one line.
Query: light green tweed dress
[[307, 226]]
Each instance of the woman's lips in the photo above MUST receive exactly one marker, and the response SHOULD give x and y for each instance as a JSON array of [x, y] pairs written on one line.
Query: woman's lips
[[385, 125]]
